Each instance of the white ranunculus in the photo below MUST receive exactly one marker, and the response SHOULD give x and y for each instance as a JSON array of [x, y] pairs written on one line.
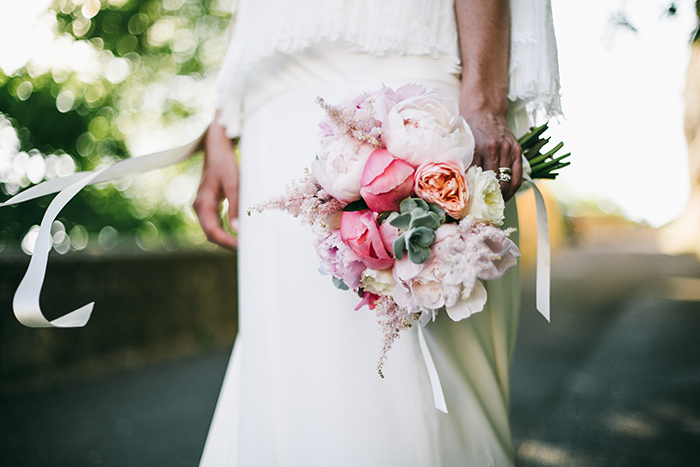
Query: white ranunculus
[[485, 200], [339, 166], [330, 223], [378, 282], [428, 128]]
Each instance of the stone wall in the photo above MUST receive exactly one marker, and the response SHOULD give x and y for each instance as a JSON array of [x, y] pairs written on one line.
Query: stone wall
[[148, 306]]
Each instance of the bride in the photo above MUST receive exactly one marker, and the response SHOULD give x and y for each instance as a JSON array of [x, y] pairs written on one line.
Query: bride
[[301, 387]]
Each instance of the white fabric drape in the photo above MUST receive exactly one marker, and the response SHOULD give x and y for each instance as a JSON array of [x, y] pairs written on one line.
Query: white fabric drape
[[301, 389]]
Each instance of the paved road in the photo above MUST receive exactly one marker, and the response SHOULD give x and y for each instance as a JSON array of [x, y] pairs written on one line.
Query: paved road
[[613, 381]]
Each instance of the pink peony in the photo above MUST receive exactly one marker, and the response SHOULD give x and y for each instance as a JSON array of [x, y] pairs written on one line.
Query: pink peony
[[360, 232], [386, 181], [338, 260]]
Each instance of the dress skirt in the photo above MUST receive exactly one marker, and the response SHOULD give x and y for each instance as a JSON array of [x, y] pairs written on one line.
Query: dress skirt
[[301, 388]]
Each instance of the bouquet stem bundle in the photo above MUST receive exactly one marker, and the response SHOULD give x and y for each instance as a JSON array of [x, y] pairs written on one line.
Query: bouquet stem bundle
[[542, 165]]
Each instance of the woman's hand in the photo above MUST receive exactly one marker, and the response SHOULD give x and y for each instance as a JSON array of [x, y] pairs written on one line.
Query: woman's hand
[[219, 182], [484, 36], [495, 147]]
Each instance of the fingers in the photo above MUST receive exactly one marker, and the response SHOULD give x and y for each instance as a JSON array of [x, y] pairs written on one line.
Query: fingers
[[496, 147], [510, 158], [490, 151], [206, 205], [230, 189], [219, 182], [517, 168]]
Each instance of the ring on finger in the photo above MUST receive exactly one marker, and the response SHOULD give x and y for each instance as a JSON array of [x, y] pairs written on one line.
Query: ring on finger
[[505, 170], [504, 177]]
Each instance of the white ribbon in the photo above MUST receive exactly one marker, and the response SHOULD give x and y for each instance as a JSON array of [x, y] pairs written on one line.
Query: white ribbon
[[26, 300], [438, 396], [543, 253]]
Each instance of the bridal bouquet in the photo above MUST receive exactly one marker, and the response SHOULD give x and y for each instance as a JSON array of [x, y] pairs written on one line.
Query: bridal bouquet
[[401, 218]]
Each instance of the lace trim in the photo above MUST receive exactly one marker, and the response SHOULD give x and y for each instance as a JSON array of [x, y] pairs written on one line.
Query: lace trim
[[378, 27]]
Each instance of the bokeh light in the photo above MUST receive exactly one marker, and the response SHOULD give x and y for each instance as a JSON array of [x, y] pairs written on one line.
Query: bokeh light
[[99, 80]]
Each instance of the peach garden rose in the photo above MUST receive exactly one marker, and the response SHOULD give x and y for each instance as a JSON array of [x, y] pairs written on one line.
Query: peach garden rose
[[442, 183]]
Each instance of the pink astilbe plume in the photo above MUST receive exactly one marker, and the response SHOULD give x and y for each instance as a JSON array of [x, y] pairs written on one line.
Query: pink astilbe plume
[[303, 198], [392, 319], [356, 121]]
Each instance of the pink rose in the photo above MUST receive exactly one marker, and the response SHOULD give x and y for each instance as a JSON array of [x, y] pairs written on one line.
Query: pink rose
[[389, 233], [360, 232], [386, 181], [442, 183]]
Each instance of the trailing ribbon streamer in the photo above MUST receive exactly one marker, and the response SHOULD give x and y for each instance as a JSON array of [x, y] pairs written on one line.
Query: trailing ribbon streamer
[[26, 300], [438, 395], [543, 252]]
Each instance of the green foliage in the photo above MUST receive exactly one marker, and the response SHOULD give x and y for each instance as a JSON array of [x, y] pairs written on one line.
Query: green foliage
[[147, 65]]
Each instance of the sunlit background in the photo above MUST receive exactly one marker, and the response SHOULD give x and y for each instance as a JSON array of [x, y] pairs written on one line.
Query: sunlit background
[[86, 82], [623, 68]]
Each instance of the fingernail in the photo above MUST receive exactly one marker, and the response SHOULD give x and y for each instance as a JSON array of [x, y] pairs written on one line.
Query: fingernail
[[234, 224]]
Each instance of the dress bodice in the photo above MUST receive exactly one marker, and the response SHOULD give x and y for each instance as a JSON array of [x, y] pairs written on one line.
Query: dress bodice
[[267, 28]]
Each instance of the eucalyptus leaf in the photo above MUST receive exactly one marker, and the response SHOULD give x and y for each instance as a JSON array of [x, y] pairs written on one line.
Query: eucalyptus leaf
[[340, 284], [398, 247]]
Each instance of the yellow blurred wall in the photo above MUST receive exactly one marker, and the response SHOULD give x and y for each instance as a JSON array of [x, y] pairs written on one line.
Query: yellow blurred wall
[[528, 226]]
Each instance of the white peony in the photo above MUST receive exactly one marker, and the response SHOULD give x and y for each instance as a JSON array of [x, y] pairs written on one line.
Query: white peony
[[426, 128], [378, 282], [485, 200], [339, 167], [426, 288]]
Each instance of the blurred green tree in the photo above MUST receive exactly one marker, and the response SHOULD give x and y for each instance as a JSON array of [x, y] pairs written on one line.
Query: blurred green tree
[[130, 69]]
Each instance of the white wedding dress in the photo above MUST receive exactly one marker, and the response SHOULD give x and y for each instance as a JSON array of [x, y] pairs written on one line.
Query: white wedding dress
[[301, 389]]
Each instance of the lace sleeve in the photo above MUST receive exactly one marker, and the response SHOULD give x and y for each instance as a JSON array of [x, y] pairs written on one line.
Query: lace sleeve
[[534, 67]]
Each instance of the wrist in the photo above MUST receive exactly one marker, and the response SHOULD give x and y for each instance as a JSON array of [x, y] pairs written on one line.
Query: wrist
[[480, 103], [216, 134]]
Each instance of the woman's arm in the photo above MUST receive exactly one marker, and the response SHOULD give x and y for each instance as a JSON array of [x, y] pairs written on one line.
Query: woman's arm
[[484, 35], [219, 182]]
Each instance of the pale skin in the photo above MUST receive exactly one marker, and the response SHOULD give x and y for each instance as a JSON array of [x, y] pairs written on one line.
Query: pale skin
[[484, 30]]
